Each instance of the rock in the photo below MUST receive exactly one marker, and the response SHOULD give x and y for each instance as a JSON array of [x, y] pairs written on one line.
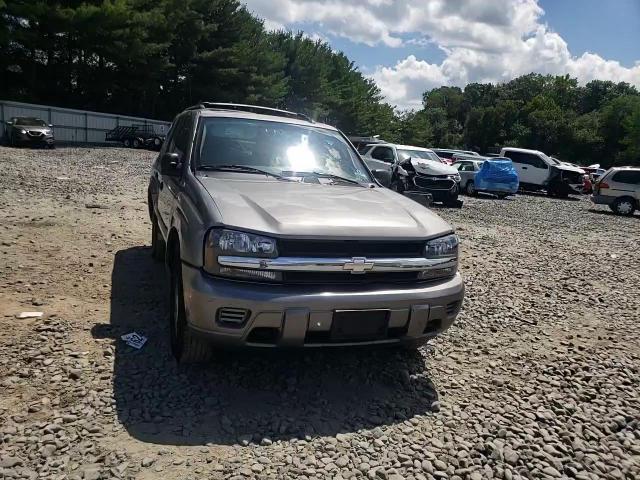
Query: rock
[[147, 462], [10, 462]]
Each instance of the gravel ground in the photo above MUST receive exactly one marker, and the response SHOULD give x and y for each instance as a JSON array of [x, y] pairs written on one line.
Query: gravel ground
[[539, 377]]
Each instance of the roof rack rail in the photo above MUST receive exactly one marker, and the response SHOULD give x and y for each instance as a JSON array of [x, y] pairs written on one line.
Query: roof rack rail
[[251, 108]]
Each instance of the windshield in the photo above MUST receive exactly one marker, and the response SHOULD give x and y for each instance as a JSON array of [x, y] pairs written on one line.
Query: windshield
[[279, 148], [406, 153], [29, 122]]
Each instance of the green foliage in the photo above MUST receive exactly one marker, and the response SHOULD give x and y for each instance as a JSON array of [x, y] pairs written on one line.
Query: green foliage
[[597, 123], [155, 57]]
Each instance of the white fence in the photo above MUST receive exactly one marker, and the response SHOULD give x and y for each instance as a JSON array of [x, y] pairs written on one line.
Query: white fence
[[75, 126]]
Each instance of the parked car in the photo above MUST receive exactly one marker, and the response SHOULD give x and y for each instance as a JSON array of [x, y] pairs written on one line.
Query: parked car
[[618, 187], [276, 234], [412, 169], [538, 171], [136, 136], [362, 143], [494, 175], [447, 154], [30, 131]]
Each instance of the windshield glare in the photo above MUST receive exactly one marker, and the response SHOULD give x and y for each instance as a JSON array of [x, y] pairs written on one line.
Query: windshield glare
[[280, 148], [30, 122]]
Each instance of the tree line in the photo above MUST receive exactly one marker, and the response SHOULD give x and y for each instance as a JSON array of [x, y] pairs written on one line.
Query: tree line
[[154, 58]]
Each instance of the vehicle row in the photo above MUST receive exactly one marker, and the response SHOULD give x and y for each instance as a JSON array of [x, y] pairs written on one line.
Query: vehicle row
[[35, 132]]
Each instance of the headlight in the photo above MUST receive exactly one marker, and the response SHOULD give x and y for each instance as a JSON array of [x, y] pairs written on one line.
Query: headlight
[[230, 242], [443, 247], [23, 131], [47, 132], [456, 177]]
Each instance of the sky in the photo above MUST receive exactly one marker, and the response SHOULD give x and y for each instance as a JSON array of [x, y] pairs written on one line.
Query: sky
[[410, 46]]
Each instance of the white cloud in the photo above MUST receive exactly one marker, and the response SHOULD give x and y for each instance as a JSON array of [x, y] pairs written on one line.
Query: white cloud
[[484, 41]]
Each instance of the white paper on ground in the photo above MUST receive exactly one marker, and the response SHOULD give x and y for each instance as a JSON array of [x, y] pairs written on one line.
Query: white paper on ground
[[29, 315], [134, 340]]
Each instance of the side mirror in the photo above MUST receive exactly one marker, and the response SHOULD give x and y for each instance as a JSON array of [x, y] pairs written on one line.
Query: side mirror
[[50, 125], [383, 176], [9, 122], [170, 164]]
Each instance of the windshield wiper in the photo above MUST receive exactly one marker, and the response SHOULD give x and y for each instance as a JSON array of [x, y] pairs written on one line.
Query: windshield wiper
[[331, 176], [240, 168]]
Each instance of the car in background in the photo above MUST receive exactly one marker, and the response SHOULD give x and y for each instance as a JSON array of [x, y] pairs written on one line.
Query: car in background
[[414, 169], [447, 154], [495, 175], [538, 171], [619, 188], [29, 131]]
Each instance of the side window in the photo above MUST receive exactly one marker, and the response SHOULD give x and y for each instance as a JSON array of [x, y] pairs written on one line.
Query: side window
[[515, 157], [631, 177], [179, 140], [538, 162], [384, 154]]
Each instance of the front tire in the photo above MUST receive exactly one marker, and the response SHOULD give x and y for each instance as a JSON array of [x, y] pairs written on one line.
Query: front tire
[[127, 143], [624, 206], [185, 346], [470, 189], [136, 143]]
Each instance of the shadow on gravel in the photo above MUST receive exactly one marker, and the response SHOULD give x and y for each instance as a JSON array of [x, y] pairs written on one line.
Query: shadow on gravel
[[611, 214], [246, 396], [574, 197]]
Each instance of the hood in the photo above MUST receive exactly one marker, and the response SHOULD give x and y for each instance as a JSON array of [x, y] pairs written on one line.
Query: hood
[[32, 128], [319, 211], [430, 167], [569, 168]]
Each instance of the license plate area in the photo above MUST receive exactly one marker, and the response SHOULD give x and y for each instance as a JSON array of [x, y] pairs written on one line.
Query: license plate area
[[359, 325]]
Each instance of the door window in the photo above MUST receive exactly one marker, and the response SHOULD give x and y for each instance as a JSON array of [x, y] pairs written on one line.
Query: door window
[[384, 154], [631, 177]]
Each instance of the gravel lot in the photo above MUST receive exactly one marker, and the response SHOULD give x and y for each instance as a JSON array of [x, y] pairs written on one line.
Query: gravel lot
[[539, 378]]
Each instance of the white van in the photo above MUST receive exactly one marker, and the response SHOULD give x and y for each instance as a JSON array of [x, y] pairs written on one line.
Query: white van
[[618, 187], [537, 171]]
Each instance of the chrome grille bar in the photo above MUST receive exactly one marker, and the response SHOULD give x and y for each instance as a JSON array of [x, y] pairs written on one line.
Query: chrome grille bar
[[354, 265]]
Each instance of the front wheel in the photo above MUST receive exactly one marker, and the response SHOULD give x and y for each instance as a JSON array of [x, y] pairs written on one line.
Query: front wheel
[[624, 206], [185, 346], [126, 142], [136, 143], [470, 188]]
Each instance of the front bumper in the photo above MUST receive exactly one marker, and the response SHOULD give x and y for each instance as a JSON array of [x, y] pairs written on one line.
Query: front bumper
[[34, 140], [301, 315]]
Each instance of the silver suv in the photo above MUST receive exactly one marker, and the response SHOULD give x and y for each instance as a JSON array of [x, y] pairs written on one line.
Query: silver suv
[[277, 235]]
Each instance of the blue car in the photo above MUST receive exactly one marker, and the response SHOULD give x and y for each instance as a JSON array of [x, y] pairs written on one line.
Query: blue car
[[497, 176]]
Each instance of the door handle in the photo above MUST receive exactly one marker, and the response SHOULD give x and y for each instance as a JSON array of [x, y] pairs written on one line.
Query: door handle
[[524, 168]]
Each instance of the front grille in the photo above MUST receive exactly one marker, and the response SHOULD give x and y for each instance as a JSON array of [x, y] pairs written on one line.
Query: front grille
[[434, 182], [232, 316], [349, 278], [350, 248], [34, 133]]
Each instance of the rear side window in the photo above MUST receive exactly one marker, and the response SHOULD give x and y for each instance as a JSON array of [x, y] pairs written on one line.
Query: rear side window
[[526, 159], [627, 176]]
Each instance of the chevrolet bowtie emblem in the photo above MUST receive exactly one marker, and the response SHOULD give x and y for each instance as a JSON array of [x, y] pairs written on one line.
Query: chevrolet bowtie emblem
[[358, 265]]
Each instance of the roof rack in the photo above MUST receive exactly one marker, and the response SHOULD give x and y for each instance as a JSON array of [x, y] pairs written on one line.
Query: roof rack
[[250, 108]]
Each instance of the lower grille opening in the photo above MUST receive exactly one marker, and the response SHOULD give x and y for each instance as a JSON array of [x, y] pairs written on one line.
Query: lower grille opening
[[452, 308], [264, 335], [232, 317], [433, 326]]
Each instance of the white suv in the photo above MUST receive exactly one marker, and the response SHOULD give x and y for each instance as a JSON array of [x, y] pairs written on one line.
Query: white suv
[[618, 187], [538, 171]]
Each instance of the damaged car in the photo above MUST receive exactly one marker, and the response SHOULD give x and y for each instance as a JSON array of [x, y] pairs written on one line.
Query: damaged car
[[415, 169]]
